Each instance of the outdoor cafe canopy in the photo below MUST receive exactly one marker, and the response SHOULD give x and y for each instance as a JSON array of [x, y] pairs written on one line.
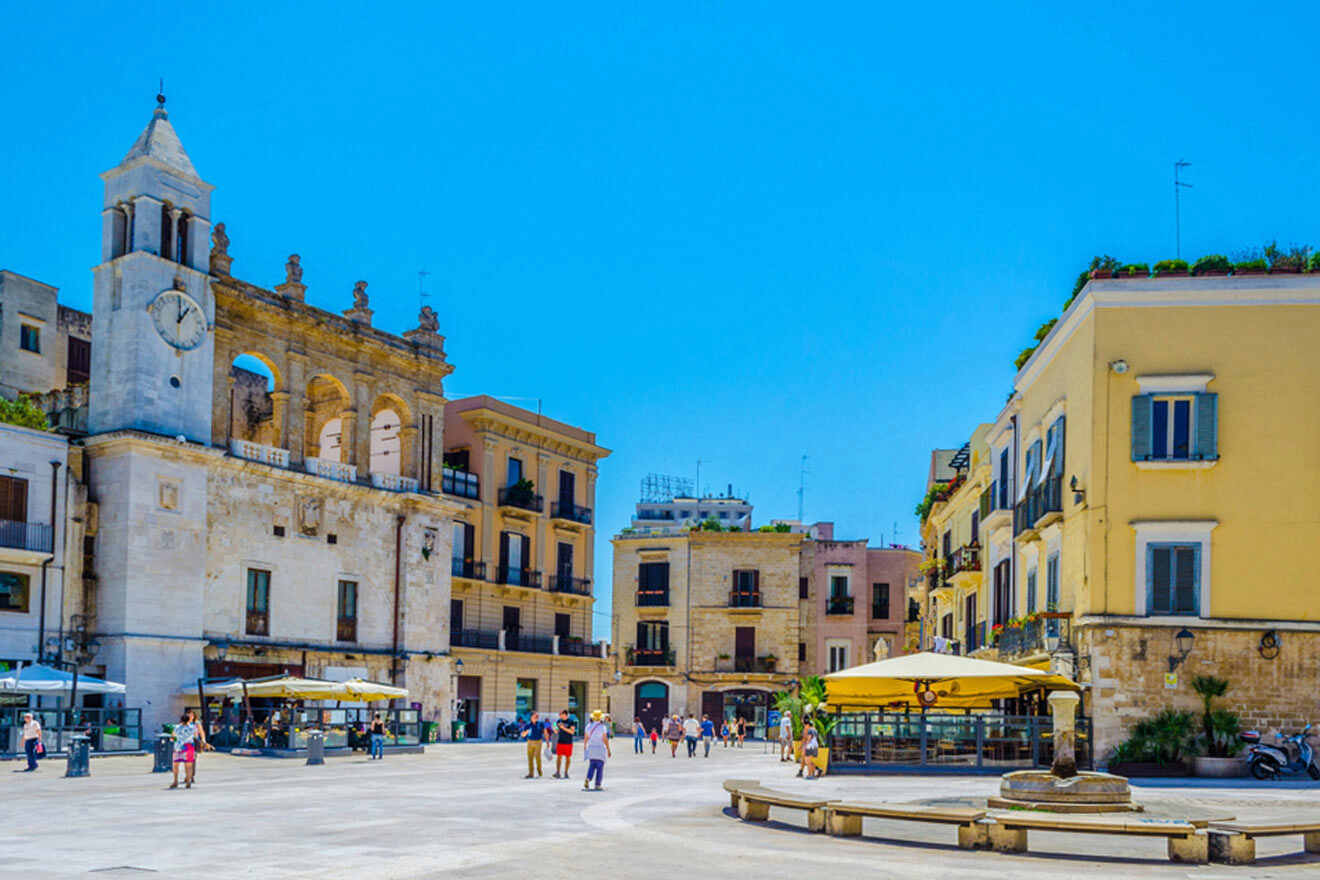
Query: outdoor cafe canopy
[[957, 682], [290, 687], [41, 679]]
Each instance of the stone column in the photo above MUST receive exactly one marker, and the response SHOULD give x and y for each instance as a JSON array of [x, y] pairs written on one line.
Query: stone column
[[280, 417], [295, 381], [433, 405], [1063, 708], [544, 536], [361, 436], [348, 420], [408, 452]]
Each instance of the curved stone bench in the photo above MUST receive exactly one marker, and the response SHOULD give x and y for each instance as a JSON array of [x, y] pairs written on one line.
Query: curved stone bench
[[732, 786], [844, 819], [1234, 843], [754, 806], [1187, 843]]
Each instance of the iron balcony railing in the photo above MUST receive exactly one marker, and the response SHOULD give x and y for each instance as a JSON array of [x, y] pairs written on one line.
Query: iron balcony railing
[[1041, 500], [475, 638], [512, 496], [745, 599], [566, 583], [753, 664], [1034, 636], [37, 537], [518, 577], [460, 483], [839, 605], [649, 657], [974, 636], [516, 641], [655, 514], [966, 558], [468, 568], [652, 598], [578, 647], [346, 629], [573, 512], [258, 623], [995, 498]]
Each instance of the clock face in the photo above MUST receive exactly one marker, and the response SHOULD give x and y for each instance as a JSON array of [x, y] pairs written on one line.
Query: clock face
[[179, 320]]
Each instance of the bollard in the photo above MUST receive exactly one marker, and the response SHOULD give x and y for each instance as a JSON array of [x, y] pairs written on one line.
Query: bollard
[[79, 756], [164, 754], [315, 747]]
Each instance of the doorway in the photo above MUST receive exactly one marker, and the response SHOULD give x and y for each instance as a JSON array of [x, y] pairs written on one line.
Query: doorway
[[651, 703], [469, 704]]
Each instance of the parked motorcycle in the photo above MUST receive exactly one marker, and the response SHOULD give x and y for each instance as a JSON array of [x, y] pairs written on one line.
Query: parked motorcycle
[[1292, 756], [507, 730]]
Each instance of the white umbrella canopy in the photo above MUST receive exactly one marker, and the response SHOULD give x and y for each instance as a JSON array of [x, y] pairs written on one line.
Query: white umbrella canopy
[[41, 679]]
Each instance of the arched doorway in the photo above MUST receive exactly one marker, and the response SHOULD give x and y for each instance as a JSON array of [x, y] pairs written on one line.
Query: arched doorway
[[651, 703]]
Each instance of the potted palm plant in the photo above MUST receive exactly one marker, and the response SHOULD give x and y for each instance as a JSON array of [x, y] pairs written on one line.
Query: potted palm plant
[[1219, 732]]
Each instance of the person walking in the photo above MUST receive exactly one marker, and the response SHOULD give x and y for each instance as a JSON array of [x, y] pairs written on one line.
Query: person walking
[[596, 748], [536, 732], [742, 730], [186, 733], [707, 733], [673, 733], [564, 731], [32, 744], [785, 735], [691, 732], [655, 736], [724, 732], [639, 734], [810, 748], [377, 731]]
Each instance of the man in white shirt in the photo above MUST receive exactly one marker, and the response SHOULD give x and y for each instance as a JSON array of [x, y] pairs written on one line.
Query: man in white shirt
[[785, 734], [691, 732]]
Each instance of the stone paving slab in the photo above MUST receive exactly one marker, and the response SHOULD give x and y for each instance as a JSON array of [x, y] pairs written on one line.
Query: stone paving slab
[[464, 809]]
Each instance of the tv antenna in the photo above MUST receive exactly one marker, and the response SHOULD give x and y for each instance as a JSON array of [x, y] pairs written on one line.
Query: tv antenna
[[802, 486], [1177, 206]]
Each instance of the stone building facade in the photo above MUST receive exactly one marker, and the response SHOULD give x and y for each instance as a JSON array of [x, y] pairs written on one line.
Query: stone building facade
[[705, 622], [521, 564]]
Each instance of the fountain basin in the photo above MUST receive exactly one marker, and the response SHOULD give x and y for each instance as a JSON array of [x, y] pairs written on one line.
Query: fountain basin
[[1083, 793]]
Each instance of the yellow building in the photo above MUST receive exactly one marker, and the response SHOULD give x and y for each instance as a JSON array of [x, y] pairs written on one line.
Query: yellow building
[[521, 605], [1158, 452], [705, 622]]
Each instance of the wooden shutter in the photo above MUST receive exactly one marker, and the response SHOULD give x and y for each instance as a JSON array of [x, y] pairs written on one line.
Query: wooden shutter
[[1158, 577], [641, 636], [1056, 466], [1141, 419], [526, 558], [1185, 578], [1207, 427], [469, 542], [13, 499], [504, 551]]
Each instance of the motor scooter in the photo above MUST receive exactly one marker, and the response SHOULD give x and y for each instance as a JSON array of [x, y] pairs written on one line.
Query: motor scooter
[[1272, 761]]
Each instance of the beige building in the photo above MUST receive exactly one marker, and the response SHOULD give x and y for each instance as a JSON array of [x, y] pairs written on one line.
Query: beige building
[[521, 605], [705, 622]]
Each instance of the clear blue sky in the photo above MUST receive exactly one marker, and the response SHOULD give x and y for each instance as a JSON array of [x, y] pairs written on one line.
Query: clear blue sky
[[738, 234]]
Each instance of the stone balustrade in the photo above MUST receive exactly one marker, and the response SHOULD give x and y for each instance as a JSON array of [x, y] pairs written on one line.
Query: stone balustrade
[[259, 452], [393, 482], [334, 470]]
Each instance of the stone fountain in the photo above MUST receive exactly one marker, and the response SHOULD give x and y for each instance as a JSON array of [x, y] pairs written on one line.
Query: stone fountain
[[1062, 789]]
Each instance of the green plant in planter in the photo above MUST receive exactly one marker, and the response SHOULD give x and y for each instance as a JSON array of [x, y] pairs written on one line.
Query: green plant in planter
[[521, 492], [1021, 360], [1166, 267], [1168, 736], [1207, 688], [1247, 266], [1225, 727], [1212, 264], [24, 413], [1134, 270], [1313, 264]]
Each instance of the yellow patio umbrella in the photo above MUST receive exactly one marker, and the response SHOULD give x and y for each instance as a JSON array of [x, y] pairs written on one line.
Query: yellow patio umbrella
[[368, 691], [934, 681], [288, 687]]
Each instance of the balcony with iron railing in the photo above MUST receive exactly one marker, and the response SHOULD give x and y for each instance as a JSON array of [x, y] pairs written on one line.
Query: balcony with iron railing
[[472, 569], [743, 663], [1043, 505], [652, 598], [1042, 633], [650, 657], [460, 483], [576, 646], [515, 640], [996, 507], [745, 599], [518, 577], [346, 629], [571, 512], [964, 566], [257, 623], [523, 499], [839, 605], [475, 638], [29, 536], [566, 583]]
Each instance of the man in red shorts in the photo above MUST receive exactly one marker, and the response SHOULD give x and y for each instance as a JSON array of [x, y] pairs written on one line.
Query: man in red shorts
[[564, 730]]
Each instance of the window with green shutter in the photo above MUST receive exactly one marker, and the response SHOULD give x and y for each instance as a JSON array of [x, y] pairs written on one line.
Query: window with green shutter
[[1175, 427], [1173, 577]]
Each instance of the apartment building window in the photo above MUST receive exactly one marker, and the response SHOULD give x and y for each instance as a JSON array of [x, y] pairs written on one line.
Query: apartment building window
[[455, 617], [838, 655], [29, 338], [746, 588], [1003, 593], [839, 587], [1002, 487], [79, 365], [258, 602], [514, 472], [346, 630], [14, 591], [1175, 427], [564, 566], [1052, 465], [653, 584], [1031, 590], [1052, 582], [1030, 471], [525, 697], [744, 648], [563, 626], [458, 459], [13, 500], [652, 643], [465, 540], [802, 652], [946, 543], [515, 554], [880, 601], [804, 588], [1173, 574]]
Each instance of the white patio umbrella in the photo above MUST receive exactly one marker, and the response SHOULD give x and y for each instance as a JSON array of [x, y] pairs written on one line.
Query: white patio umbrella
[[41, 679]]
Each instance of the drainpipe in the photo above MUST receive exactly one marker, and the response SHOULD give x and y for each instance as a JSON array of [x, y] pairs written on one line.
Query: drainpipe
[[1012, 544], [398, 568], [41, 617]]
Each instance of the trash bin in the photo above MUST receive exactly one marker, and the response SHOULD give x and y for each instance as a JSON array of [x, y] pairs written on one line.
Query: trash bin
[[164, 753], [458, 731], [80, 754], [429, 731], [315, 747]]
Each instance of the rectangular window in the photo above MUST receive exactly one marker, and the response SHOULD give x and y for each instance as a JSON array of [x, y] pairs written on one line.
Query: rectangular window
[[1003, 589], [746, 588], [514, 473], [562, 625], [1002, 487], [1031, 590], [567, 490], [838, 657], [13, 499], [29, 338], [947, 544], [839, 587], [1173, 572], [1052, 583], [14, 591], [653, 584], [744, 648], [1175, 427], [347, 628], [802, 652], [525, 697], [976, 528], [880, 601], [79, 366], [804, 588], [652, 643], [455, 616], [258, 602]]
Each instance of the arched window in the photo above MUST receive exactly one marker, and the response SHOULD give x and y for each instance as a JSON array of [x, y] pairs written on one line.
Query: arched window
[[166, 231], [181, 250]]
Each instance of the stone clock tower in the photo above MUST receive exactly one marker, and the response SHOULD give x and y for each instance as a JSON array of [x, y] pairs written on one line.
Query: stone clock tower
[[152, 348]]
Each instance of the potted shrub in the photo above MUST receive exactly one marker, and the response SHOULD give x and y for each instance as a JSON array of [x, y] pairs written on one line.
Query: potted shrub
[[1251, 267], [722, 662], [1134, 270], [825, 725], [1103, 267], [1159, 746], [1219, 732], [1288, 262], [1212, 264], [1170, 267]]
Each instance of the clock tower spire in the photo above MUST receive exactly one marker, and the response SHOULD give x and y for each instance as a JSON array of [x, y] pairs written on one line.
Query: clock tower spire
[[152, 342]]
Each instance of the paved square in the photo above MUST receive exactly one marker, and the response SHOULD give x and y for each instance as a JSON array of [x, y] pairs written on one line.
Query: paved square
[[466, 808]]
